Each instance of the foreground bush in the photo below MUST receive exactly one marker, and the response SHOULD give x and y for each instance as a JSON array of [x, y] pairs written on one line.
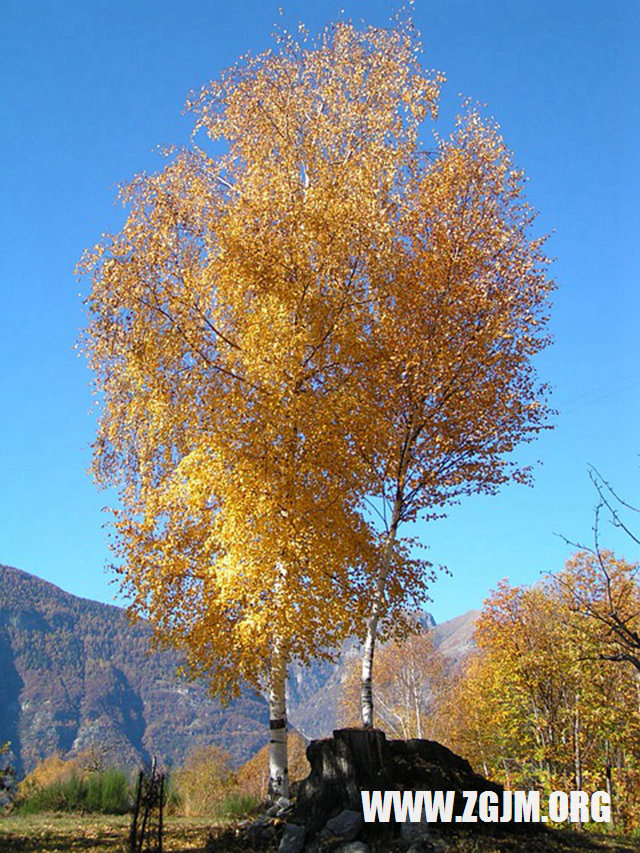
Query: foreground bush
[[107, 793]]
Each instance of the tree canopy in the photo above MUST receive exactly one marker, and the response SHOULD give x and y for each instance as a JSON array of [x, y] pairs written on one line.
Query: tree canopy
[[302, 311]]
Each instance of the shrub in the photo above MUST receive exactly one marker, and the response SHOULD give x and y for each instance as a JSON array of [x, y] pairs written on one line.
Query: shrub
[[237, 805], [115, 793], [204, 782], [106, 792]]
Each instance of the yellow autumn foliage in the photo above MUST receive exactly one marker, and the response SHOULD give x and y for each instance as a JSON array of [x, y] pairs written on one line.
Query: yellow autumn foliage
[[318, 315], [203, 782], [539, 705]]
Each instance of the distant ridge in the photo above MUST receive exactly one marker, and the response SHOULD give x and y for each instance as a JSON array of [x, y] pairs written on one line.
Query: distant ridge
[[454, 638], [76, 674]]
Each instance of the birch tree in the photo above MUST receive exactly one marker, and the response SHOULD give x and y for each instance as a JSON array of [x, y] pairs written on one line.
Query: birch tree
[[411, 674], [229, 327], [451, 389]]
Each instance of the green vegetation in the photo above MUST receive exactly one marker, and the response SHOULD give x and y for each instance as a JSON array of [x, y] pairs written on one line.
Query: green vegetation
[[237, 806], [106, 793]]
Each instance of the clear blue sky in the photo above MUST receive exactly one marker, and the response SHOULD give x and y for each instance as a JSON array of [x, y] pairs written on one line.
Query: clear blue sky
[[88, 92]]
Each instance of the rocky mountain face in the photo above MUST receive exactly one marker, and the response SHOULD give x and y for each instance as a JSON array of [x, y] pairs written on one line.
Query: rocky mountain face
[[454, 638], [76, 674]]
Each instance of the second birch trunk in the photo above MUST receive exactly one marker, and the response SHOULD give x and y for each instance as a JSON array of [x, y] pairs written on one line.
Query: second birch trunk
[[372, 623], [278, 766]]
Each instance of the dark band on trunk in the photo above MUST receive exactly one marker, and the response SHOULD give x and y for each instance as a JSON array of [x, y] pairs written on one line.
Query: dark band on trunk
[[277, 724]]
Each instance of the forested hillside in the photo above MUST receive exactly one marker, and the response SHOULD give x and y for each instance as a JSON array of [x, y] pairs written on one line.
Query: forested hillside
[[76, 674]]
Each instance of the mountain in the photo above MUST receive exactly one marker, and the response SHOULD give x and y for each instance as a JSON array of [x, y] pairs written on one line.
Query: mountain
[[313, 691], [76, 674], [454, 638]]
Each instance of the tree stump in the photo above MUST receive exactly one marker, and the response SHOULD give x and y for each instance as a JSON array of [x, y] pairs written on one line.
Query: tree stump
[[353, 760], [356, 760]]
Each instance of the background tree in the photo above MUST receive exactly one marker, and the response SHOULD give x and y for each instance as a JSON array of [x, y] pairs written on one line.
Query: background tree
[[537, 707], [229, 319], [450, 385], [204, 781], [410, 676]]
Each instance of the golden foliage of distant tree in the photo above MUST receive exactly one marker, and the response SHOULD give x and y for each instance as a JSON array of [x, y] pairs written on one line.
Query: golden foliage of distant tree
[[410, 677], [544, 703], [204, 781]]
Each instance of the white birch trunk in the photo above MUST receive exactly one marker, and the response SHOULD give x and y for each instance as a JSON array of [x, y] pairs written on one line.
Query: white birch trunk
[[278, 767], [416, 702], [366, 695]]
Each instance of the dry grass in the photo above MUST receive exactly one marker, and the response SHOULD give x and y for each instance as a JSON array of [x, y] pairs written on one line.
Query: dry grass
[[69, 833]]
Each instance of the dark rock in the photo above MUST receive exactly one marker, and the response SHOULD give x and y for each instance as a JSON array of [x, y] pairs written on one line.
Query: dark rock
[[281, 808], [325, 842], [414, 831], [346, 825], [293, 838]]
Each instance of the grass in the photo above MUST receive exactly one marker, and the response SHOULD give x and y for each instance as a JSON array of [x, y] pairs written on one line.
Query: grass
[[71, 833], [107, 793], [556, 842]]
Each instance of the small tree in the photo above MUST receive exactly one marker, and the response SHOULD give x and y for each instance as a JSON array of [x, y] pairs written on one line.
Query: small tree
[[204, 781], [410, 676], [451, 389]]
